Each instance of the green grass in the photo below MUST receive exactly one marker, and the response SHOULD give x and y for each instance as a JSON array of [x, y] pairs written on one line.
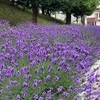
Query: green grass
[[16, 15]]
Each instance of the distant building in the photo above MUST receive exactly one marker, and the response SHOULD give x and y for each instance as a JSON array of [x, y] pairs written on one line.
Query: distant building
[[94, 19]]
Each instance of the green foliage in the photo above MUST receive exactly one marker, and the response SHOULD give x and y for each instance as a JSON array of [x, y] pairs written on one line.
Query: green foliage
[[76, 7], [85, 7], [15, 15]]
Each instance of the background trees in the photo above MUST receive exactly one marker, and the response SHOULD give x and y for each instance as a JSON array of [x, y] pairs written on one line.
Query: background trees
[[75, 7], [35, 7], [67, 8], [84, 7]]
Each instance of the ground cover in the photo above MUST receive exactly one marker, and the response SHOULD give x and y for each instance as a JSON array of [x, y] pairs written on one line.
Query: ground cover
[[16, 15]]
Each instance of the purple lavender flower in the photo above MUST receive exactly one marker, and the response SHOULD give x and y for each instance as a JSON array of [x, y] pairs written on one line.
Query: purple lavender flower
[[20, 55], [35, 84], [98, 98], [54, 60], [76, 98], [48, 77], [41, 98], [39, 81], [18, 97], [77, 81], [10, 92], [35, 97], [44, 93], [8, 88], [59, 89], [42, 69], [36, 71], [25, 85], [25, 94], [6, 97], [50, 68], [67, 69], [65, 94], [59, 49], [56, 78]]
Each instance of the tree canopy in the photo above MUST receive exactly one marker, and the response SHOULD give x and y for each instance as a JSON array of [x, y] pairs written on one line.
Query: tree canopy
[[76, 7]]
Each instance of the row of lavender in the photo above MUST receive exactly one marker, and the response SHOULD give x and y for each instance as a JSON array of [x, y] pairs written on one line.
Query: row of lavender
[[41, 62]]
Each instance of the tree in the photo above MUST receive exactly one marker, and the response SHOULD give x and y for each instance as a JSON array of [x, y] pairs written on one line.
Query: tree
[[12, 2], [65, 6], [85, 7], [53, 6], [35, 6]]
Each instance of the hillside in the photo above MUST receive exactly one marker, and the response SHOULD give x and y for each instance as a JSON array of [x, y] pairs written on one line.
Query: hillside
[[16, 15]]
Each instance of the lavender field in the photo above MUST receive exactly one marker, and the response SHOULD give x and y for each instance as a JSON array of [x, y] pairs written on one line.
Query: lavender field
[[48, 62]]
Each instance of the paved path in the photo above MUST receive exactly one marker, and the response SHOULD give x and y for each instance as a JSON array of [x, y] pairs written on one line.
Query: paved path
[[94, 84]]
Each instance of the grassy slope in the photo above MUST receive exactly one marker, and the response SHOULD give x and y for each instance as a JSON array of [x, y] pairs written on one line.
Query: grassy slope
[[15, 15]]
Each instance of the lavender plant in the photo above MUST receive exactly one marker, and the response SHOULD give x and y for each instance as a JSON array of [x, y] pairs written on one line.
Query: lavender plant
[[47, 62]]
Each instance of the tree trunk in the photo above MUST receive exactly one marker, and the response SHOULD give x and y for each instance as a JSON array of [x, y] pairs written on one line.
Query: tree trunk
[[68, 18], [48, 13], [43, 12], [77, 20], [12, 2], [24, 6], [35, 13], [27, 4], [83, 20], [55, 15]]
